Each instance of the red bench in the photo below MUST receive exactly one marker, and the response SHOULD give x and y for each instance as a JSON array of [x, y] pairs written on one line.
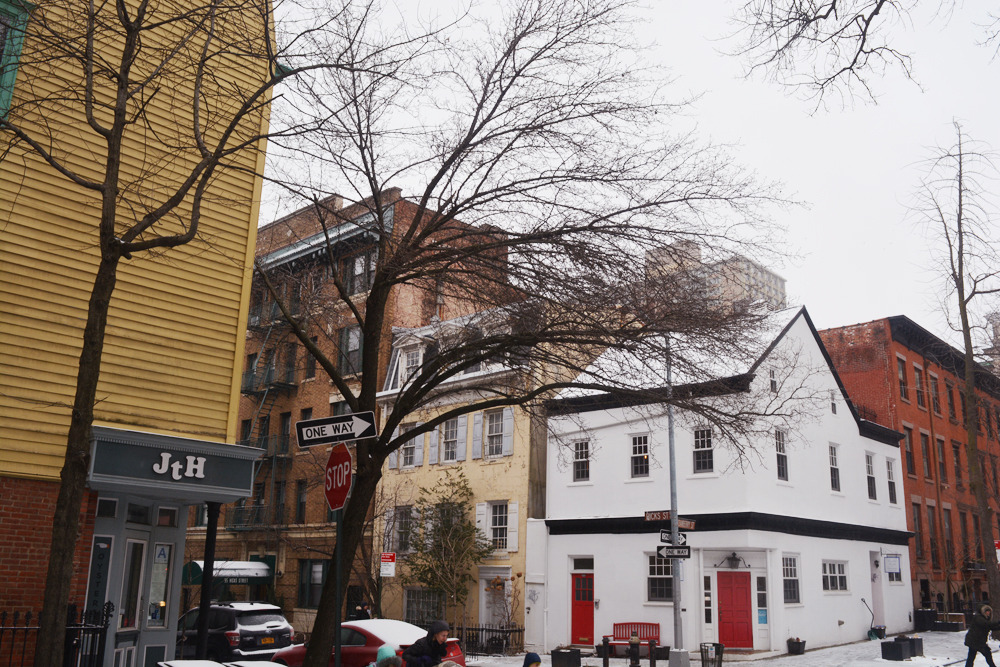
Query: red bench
[[622, 632]]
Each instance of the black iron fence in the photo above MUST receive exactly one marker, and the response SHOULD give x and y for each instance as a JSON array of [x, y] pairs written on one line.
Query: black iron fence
[[83, 643], [490, 640]]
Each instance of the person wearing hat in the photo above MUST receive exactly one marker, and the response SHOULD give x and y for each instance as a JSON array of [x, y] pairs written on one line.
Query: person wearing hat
[[532, 660], [386, 657], [430, 650], [979, 631]]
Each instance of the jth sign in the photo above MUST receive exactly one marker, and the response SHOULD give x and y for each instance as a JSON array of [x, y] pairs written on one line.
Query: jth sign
[[339, 476], [194, 467]]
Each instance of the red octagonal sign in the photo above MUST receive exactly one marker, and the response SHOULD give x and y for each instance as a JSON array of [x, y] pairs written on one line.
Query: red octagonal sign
[[339, 476]]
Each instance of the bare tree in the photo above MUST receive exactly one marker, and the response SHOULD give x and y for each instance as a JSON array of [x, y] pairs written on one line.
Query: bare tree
[[546, 180], [955, 204], [141, 108]]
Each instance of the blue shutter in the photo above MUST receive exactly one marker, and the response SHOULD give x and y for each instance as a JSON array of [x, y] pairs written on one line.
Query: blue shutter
[[508, 431], [512, 526], [463, 437], [418, 448], [432, 452], [393, 455], [477, 435]]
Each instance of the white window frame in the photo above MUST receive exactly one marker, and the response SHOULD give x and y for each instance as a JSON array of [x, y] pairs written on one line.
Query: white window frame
[[835, 578], [703, 454], [408, 450], [581, 460], [781, 454], [449, 441], [918, 386], [658, 569], [834, 469], [403, 528], [411, 358], [773, 379], [499, 516], [638, 462], [493, 434], [891, 481], [870, 476], [790, 573]]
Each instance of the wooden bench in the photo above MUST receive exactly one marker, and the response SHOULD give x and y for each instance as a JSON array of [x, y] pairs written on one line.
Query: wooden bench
[[622, 632]]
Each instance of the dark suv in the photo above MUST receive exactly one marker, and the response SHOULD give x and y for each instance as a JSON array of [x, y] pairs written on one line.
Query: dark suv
[[236, 631]]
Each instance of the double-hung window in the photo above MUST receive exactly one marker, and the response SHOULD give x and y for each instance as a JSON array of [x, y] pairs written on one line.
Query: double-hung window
[[350, 350], [904, 390], [935, 394], [834, 575], [498, 524], [408, 452], [581, 461], [640, 456], [942, 462], [703, 452], [834, 469], [660, 581], [925, 452], [790, 579], [870, 476], [494, 433], [13, 22], [779, 448], [891, 478], [449, 440], [918, 385]]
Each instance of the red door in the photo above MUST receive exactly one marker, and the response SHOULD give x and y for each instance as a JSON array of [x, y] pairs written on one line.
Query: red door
[[582, 612], [735, 610]]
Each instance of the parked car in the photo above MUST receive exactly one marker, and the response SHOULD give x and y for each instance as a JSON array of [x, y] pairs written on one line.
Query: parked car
[[236, 631], [360, 641]]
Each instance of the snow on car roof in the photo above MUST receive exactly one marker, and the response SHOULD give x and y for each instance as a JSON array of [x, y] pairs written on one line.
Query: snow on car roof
[[395, 633]]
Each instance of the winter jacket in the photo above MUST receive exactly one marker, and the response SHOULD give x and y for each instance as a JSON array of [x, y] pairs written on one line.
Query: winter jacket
[[980, 627], [426, 652]]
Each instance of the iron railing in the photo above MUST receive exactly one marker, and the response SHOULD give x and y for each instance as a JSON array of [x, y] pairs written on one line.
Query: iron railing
[[490, 640], [83, 642]]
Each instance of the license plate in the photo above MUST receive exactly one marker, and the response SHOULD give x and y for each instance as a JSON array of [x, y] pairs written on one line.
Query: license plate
[[267, 640]]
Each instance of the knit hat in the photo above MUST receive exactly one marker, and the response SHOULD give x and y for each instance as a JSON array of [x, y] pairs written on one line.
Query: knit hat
[[385, 651], [531, 659], [438, 626]]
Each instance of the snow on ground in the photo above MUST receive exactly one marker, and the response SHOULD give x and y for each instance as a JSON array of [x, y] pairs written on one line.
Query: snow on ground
[[940, 648]]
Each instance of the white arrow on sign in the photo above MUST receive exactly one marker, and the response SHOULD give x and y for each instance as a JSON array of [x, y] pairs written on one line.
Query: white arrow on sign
[[682, 538], [673, 552], [329, 430]]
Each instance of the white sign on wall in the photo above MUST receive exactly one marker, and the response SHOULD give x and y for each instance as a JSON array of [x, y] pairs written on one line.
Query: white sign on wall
[[388, 565]]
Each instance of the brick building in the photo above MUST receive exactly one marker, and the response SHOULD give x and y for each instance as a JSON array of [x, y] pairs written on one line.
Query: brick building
[[287, 523], [902, 376]]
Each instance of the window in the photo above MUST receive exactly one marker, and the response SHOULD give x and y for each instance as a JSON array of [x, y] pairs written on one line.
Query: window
[[449, 440], [779, 448], [359, 272], [660, 582], [942, 462], [279, 501], [949, 393], [833, 402], [708, 599], [963, 530], [581, 461], [403, 517], [925, 452], [338, 408], [306, 414], [935, 397], [350, 350], [893, 569], [956, 450], [410, 366], [774, 381], [977, 537], [300, 501], [918, 385], [312, 574], [493, 425], [762, 593], [932, 537], [703, 453], [870, 474], [834, 469], [310, 370], [498, 524], [790, 578], [834, 575], [908, 450], [949, 543], [918, 533], [159, 589], [422, 606], [640, 456], [891, 478], [408, 452], [13, 21], [132, 584], [904, 391]]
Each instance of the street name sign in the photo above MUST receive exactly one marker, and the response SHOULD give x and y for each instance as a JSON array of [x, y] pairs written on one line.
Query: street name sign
[[682, 538], [664, 515], [328, 430], [673, 552]]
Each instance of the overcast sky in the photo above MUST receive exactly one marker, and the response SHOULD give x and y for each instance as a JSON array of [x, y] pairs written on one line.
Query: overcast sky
[[856, 254]]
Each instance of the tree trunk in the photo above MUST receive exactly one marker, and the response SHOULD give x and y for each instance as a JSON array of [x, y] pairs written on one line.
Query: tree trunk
[[66, 522]]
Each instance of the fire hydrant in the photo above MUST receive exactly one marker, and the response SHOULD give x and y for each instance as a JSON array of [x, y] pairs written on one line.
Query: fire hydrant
[[633, 650]]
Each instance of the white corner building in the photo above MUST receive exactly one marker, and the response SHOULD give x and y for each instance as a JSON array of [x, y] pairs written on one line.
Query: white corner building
[[799, 524]]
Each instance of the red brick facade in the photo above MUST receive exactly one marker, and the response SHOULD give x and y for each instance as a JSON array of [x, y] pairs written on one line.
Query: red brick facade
[[26, 511], [899, 375]]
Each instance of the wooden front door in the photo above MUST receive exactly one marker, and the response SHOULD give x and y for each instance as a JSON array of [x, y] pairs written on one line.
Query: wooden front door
[[582, 612], [735, 610]]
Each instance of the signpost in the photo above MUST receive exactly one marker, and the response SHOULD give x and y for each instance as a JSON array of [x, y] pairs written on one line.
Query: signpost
[[339, 478], [673, 552], [664, 515], [682, 538]]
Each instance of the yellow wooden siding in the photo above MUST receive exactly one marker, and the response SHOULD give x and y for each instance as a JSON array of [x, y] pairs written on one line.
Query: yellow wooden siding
[[174, 347]]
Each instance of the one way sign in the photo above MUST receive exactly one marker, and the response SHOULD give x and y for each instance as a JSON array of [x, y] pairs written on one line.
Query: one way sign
[[682, 538], [673, 552], [336, 429]]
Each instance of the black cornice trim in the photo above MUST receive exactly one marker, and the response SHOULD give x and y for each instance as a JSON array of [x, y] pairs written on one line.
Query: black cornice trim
[[773, 523]]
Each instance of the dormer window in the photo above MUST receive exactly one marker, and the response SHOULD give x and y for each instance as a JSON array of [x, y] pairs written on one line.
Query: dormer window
[[411, 363]]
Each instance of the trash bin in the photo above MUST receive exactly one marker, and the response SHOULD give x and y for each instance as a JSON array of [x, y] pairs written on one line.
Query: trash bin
[[566, 657], [711, 655]]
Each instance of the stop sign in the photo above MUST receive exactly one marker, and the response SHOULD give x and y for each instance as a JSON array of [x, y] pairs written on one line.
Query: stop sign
[[339, 477]]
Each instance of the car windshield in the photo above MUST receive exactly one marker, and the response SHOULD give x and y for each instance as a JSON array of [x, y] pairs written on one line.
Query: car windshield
[[261, 617]]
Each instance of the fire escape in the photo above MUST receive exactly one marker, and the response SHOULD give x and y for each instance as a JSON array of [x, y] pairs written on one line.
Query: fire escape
[[271, 374]]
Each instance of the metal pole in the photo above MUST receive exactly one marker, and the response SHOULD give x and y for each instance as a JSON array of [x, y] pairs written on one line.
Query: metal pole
[[339, 598], [207, 579], [674, 537]]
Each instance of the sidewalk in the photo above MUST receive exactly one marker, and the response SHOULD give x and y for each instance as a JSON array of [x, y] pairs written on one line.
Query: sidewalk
[[940, 648]]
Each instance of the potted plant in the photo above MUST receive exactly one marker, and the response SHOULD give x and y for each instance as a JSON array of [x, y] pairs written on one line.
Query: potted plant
[[796, 646]]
